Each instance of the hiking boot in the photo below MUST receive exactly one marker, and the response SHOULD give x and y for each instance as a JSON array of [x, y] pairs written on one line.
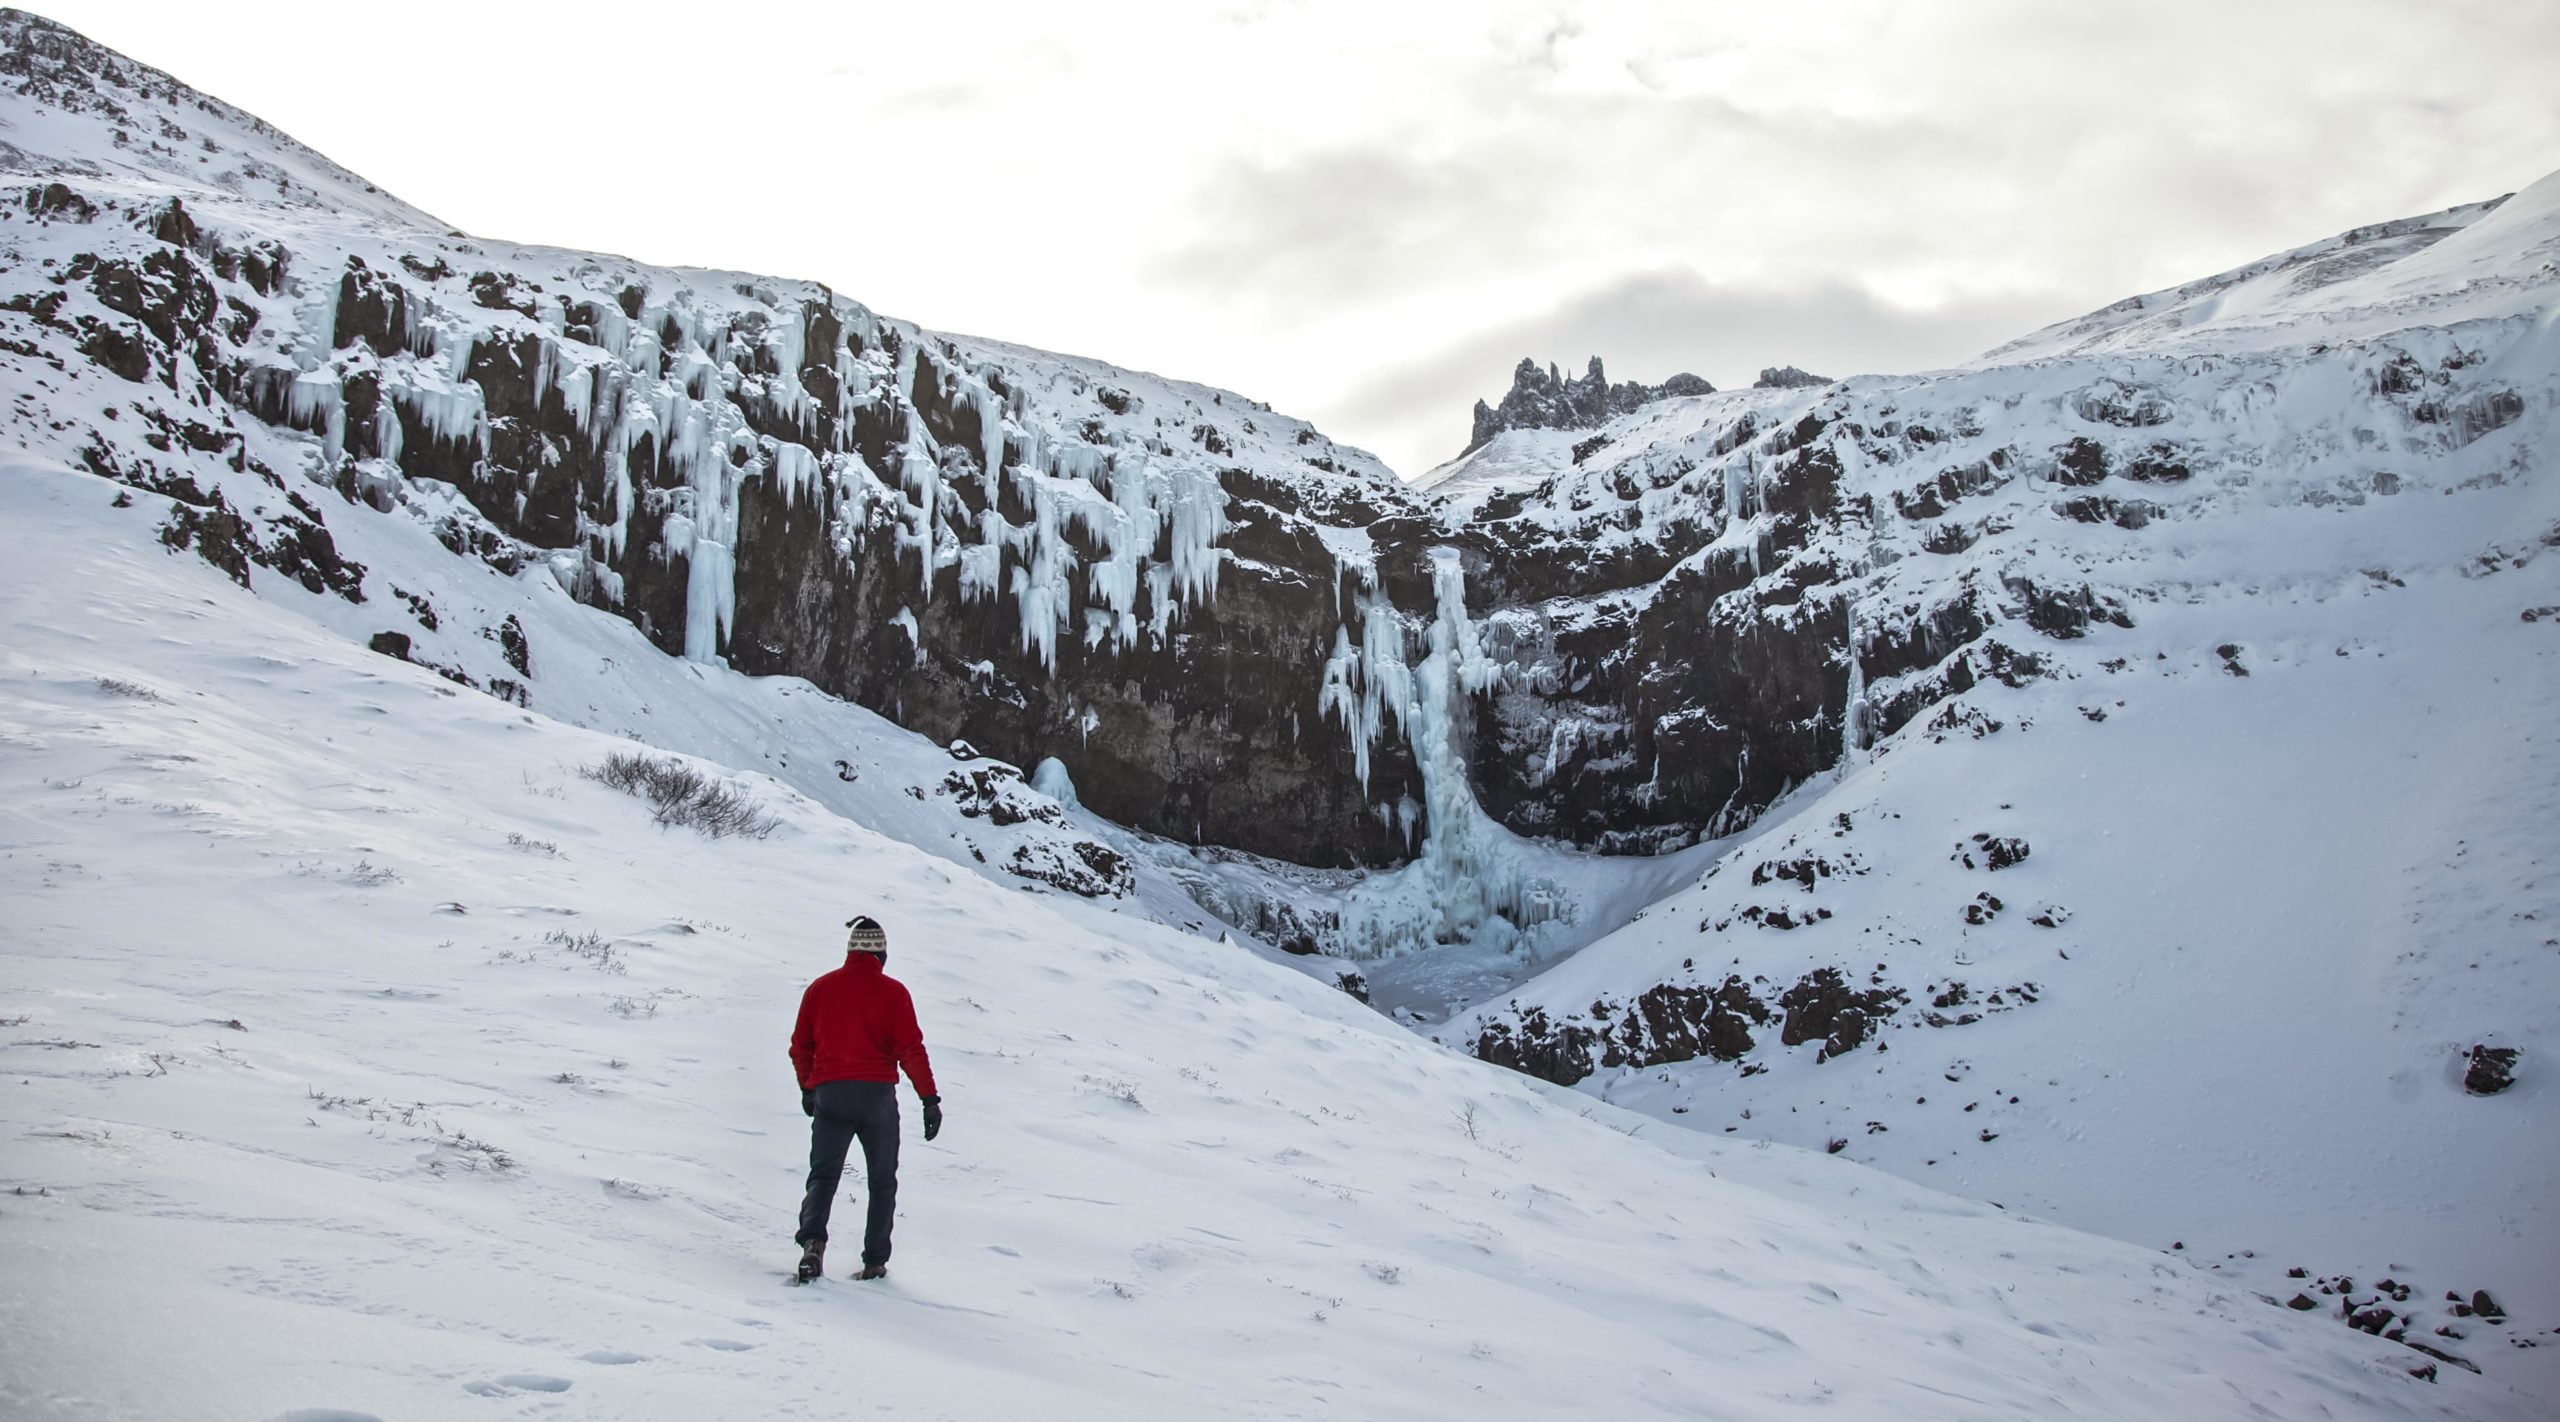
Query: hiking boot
[[873, 1271], [813, 1261]]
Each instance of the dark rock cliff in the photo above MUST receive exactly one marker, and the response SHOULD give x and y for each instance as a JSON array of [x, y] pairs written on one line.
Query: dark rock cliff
[[1550, 400], [1150, 581]]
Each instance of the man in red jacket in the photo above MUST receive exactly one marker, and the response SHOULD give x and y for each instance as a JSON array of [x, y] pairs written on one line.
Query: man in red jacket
[[857, 1027]]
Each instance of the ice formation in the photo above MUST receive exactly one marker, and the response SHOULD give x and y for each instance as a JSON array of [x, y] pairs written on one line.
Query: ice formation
[[1468, 883], [1050, 778], [1367, 685], [694, 404], [1853, 714]]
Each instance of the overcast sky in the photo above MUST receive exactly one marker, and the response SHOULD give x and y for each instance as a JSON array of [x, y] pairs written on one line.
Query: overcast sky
[[1366, 211]]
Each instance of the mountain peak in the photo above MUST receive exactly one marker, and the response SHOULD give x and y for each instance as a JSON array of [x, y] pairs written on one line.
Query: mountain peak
[[1788, 377], [1550, 400], [92, 113]]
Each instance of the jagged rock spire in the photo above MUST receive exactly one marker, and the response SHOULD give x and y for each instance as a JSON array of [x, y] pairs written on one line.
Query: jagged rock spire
[[1549, 400]]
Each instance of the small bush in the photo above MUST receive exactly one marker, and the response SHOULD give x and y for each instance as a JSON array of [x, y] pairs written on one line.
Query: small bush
[[591, 946], [678, 794], [118, 686]]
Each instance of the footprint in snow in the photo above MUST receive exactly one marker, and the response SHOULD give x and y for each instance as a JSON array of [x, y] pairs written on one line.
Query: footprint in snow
[[725, 1345], [609, 1358], [514, 1383]]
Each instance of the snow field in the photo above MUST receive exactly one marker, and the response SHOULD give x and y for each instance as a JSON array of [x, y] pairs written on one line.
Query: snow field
[[451, 1165]]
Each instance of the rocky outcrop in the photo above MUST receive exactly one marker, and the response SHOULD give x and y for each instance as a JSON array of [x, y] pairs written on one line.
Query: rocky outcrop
[[1551, 400], [1688, 1021], [2489, 1070], [1787, 377]]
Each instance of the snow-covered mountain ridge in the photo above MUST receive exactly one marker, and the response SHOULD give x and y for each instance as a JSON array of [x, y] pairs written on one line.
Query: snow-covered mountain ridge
[[2154, 720], [1043, 554]]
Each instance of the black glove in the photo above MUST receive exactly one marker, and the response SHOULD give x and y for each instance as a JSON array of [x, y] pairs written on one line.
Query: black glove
[[932, 1117], [808, 1103]]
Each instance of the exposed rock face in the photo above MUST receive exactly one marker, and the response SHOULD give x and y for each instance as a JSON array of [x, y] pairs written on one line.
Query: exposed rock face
[[1687, 1021], [1210, 614], [1147, 581], [1550, 400], [1787, 377]]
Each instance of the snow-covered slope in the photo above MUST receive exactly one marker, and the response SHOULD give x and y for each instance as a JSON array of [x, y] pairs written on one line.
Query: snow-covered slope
[[2236, 613], [335, 997], [1044, 554], [2231, 609], [87, 113], [2464, 262]]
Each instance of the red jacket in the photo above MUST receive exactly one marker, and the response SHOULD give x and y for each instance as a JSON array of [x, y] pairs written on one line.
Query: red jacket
[[858, 1024]]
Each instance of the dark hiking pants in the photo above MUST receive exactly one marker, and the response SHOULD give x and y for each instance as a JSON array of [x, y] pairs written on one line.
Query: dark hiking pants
[[847, 1110]]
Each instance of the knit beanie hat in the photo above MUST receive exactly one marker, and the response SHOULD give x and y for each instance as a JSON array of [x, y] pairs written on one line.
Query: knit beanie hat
[[867, 936]]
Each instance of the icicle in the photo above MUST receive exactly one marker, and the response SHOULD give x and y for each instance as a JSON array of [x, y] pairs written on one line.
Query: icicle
[[316, 402], [982, 563], [794, 468], [1853, 715], [920, 474], [386, 431], [1198, 519], [1040, 587], [1368, 686], [905, 622], [577, 393], [788, 343], [990, 434]]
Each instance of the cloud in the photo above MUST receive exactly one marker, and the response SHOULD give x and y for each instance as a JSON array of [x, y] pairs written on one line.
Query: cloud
[[1649, 325], [1336, 225]]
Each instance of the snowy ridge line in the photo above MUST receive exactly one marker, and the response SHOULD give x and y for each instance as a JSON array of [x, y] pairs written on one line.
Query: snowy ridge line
[[88, 108]]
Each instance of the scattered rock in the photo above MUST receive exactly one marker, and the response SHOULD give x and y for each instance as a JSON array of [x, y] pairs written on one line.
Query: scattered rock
[[513, 645], [996, 793], [1823, 1007], [1082, 867], [2492, 1070], [1991, 852]]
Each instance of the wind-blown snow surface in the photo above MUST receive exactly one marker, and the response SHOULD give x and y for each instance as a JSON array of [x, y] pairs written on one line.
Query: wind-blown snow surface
[[320, 1105]]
